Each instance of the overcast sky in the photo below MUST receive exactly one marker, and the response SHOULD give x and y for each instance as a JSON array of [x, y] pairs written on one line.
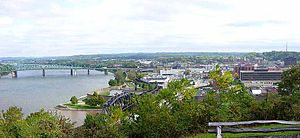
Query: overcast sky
[[71, 27]]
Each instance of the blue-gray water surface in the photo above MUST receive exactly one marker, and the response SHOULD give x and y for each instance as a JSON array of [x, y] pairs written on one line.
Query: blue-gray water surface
[[32, 92]]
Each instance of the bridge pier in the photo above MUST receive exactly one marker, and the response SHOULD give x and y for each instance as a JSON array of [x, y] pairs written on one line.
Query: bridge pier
[[73, 72], [43, 72], [105, 71], [14, 74]]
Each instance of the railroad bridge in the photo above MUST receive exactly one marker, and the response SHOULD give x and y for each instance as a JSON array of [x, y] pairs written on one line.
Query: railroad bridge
[[125, 99]]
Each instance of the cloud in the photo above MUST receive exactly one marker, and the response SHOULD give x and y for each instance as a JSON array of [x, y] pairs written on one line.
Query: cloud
[[255, 23], [5, 21], [67, 27]]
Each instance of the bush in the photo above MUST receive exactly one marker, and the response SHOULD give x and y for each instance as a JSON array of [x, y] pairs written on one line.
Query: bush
[[104, 125], [277, 107], [171, 113], [74, 100], [38, 124], [94, 100], [112, 82]]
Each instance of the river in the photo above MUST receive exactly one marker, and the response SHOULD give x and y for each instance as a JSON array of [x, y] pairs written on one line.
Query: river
[[32, 92]]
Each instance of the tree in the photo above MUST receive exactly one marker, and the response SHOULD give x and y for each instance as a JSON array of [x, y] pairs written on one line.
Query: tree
[[13, 114], [221, 80], [13, 125], [132, 75], [112, 82], [171, 113], [140, 75], [74, 100], [43, 124], [38, 124], [105, 125], [228, 101], [290, 81], [120, 77], [94, 100]]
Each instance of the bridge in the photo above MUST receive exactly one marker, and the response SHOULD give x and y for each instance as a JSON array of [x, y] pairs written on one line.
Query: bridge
[[125, 99], [14, 68]]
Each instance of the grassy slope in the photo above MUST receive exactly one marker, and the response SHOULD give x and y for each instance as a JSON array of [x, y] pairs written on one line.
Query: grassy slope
[[130, 85], [81, 106], [105, 92], [231, 135]]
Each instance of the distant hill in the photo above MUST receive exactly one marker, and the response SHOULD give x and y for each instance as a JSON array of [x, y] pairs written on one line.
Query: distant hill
[[155, 55], [280, 55], [273, 56]]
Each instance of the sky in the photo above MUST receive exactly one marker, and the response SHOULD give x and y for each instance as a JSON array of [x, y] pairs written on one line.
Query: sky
[[72, 27]]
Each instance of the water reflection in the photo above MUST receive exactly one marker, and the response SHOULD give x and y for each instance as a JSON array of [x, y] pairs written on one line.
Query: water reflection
[[76, 116]]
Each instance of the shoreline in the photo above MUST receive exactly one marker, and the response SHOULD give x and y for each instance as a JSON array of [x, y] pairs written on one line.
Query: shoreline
[[100, 91], [62, 107]]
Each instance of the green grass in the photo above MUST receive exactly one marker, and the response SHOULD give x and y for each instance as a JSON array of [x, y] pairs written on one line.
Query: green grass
[[105, 92], [232, 135], [276, 126], [81, 106], [130, 84]]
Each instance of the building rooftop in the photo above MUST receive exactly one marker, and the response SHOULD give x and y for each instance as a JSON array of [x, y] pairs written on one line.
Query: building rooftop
[[245, 71]]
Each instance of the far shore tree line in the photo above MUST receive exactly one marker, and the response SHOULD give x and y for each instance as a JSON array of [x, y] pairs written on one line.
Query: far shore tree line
[[173, 112], [121, 77]]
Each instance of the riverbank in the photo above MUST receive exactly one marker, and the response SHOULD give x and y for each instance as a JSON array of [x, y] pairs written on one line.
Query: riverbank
[[81, 106]]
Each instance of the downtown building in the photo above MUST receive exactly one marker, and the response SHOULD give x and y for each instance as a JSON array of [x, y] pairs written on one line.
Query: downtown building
[[260, 77], [242, 67]]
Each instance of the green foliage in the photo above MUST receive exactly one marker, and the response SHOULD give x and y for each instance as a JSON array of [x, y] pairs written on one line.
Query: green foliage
[[280, 107], [112, 82], [280, 55], [132, 75], [171, 113], [12, 115], [231, 105], [145, 86], [253, 55], [120, 77], [13, 125], [290, 81], [229, 101], [221, 80], [39, 124], [104, 125], [44, 124], [81, 106], [74, 100], [94, 100], [140, 75]]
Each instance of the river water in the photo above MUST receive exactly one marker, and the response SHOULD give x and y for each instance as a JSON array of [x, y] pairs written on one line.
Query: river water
[[32, 92]]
